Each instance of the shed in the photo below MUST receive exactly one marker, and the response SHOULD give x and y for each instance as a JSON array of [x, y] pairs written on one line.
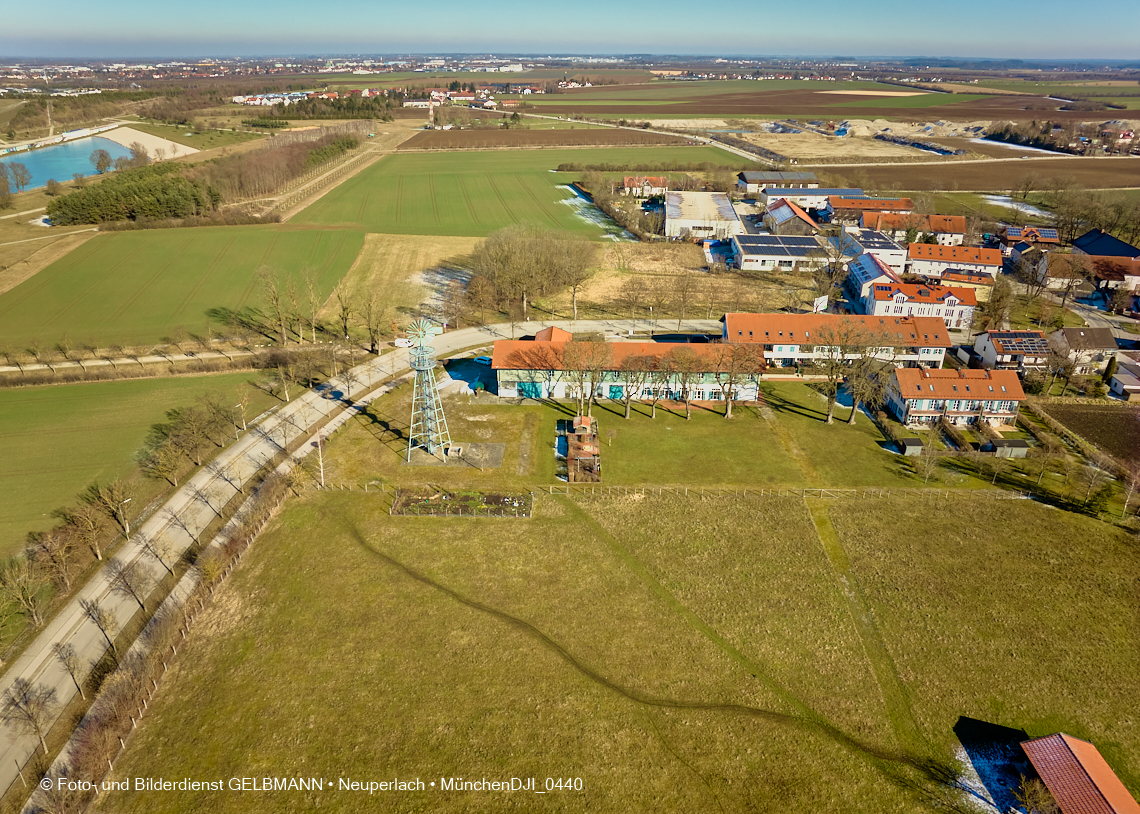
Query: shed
[[911, 447], [1078, 777], [1007, 448]]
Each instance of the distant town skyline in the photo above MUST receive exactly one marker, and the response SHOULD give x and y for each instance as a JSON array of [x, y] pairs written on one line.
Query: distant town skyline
[[969, 29]]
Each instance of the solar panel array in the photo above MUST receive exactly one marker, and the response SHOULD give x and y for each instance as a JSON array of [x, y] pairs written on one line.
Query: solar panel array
[[789, 246], [1020, 342], [1045, 233]]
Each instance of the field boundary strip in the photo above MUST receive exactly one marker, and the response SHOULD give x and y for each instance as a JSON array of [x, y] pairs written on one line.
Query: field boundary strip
[[895, 699]]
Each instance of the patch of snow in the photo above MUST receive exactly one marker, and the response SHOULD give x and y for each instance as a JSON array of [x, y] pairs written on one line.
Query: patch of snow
[[1009, 203], [989, 777]]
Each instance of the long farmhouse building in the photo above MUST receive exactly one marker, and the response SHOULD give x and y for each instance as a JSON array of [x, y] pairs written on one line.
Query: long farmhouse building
[[791, 340]]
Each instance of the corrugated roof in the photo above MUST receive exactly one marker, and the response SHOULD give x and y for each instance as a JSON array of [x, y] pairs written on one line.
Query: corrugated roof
[[1078, 777], [926, 332], [955, 254], [944, 383], [782, 211], [700, 206]]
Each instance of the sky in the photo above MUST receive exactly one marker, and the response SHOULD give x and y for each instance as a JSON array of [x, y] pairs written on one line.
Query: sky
[[1043, 29]]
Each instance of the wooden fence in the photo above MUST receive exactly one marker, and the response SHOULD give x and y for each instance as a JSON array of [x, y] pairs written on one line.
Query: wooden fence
[[729, 491]]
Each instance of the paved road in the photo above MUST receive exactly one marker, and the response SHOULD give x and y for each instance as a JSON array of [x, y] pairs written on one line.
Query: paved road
[[191, 507]]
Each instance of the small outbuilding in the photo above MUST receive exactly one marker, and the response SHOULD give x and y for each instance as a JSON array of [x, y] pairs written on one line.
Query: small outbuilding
[[1078, 777], [910, 447], [1007, 448]]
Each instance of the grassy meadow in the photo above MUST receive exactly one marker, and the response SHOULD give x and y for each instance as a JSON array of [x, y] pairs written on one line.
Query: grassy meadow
[[675, 654], [59, 439], [474, 194], [134, 288]]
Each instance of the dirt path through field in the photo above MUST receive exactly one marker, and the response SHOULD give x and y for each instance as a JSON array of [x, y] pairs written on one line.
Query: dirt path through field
[[895, 698], [41, 258]]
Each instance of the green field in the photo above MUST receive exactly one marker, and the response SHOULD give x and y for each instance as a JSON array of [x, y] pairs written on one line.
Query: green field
[[473, 194], [676, 654], [134, 288], [59, 439], [205, 140]]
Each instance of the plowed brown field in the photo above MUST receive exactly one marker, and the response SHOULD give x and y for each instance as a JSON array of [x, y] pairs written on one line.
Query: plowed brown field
[[489, 139], [998, 176], [781, 103]]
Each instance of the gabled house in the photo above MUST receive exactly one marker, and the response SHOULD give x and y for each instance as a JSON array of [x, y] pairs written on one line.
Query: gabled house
[[918, 397], [1125, 382], [928, 260], [1033, 235], [947, 230], [1089, 348], [806, 198], [790, 340], [644, 186], [954, 306], [980, 284], [1100, 272], [1012, 350]]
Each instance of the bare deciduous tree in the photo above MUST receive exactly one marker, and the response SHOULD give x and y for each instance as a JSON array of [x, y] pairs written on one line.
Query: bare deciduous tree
[[733, 363], [65, 654], [29, 708], [22, 585], [130, 579], [102, 618], [271, 291]]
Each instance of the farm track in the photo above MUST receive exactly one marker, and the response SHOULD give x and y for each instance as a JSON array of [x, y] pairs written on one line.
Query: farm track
[[210, 269], [894, 695], [467, 198], [499, 194]]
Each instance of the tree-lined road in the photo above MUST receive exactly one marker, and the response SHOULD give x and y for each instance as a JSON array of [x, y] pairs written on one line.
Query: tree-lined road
[[198, 501]]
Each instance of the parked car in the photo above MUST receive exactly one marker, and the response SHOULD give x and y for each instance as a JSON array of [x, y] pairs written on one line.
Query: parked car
[[483, 360], [401, 342]]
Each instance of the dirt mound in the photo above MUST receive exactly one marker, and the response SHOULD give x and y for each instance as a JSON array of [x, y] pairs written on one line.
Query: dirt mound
[[938, 129]]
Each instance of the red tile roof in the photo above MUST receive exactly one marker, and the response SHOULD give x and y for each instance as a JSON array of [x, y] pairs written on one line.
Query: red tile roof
[[944, 383], [935, 224], [553, 334], [955, 254], [872, 204], [932, 294], [1019, 342], [631, 181], [926, 332], [523, 354], [968, 277], [1078, 777]]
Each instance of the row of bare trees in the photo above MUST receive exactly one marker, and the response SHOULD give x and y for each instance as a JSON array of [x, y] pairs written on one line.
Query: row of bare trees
[[187, 432], [123, 692]]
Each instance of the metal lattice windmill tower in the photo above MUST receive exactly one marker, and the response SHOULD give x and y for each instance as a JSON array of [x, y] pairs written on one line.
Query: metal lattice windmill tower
[[429, 425]]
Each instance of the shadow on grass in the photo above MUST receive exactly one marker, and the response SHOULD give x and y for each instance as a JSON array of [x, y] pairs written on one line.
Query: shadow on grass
[[936, 782]]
